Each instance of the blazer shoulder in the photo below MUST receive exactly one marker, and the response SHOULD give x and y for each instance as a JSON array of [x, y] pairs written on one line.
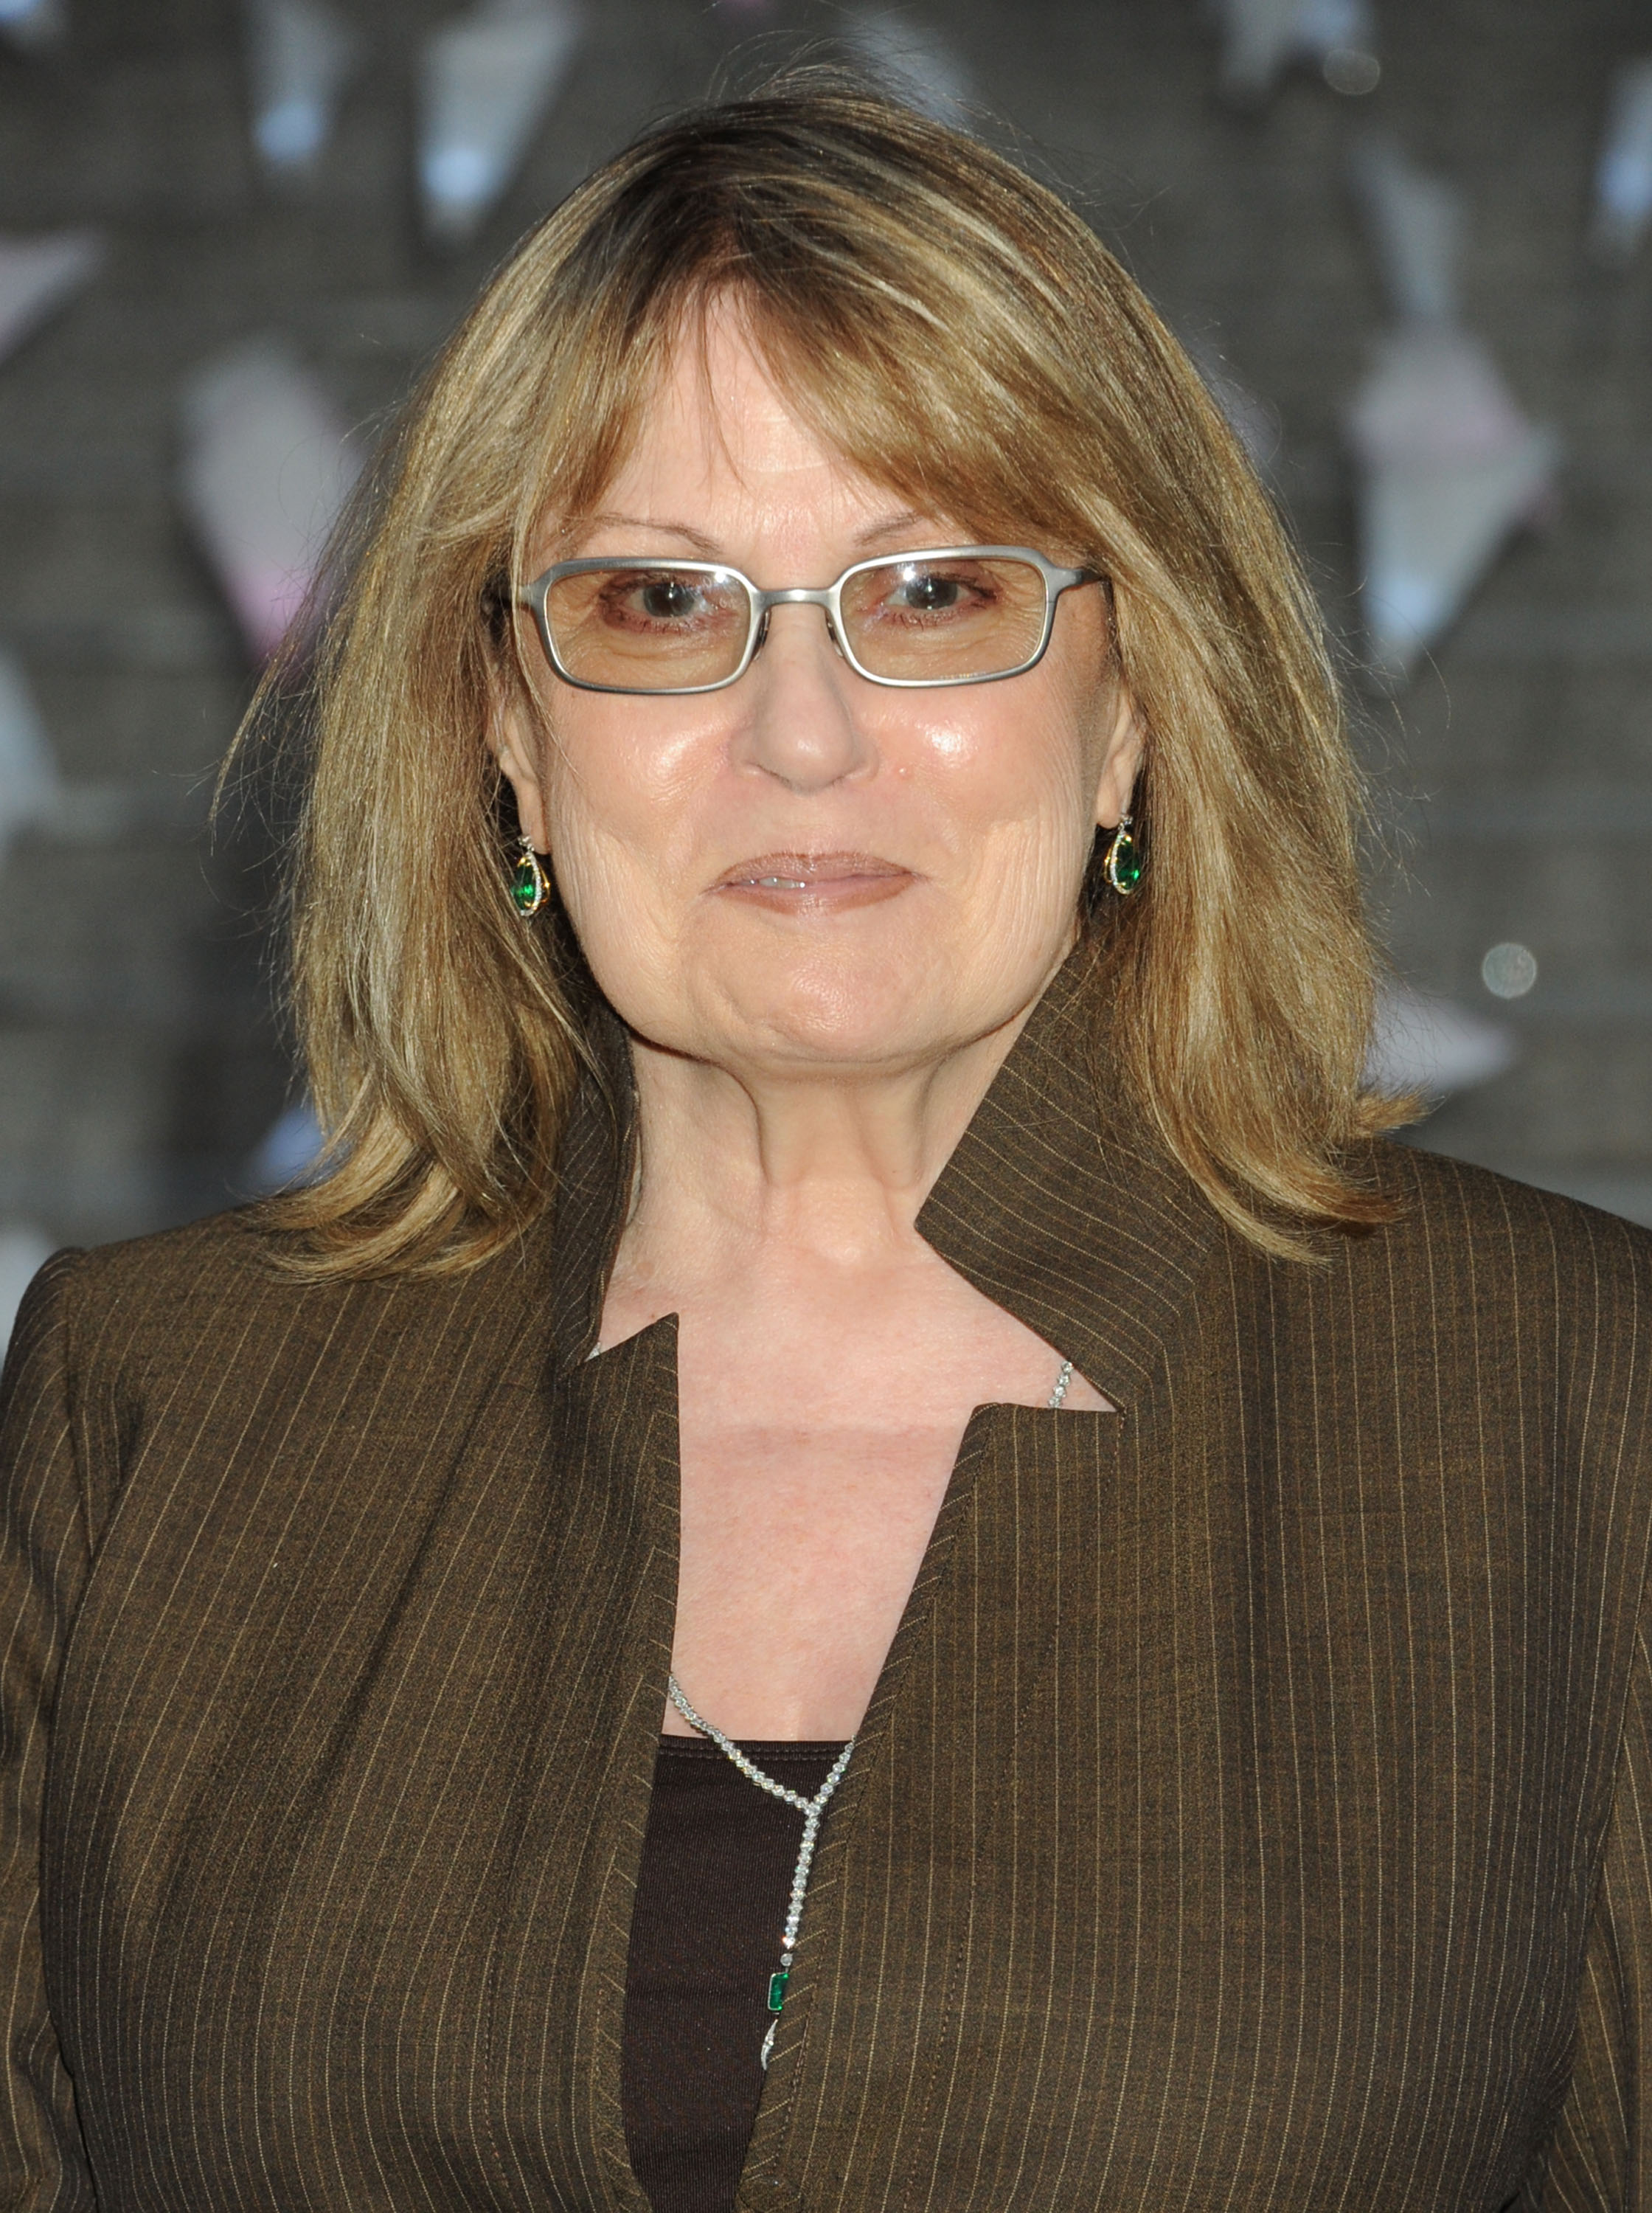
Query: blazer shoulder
[[1512, 1235], [200, 1331], [98, 1326], [174, 1305], [217, 1265], [174, 1302]]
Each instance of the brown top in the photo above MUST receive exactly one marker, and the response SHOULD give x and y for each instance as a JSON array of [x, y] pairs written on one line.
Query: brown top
[[711, 1890], [1249, 1813]]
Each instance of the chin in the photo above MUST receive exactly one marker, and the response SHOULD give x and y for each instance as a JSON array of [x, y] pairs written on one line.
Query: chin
[[881, 1011]]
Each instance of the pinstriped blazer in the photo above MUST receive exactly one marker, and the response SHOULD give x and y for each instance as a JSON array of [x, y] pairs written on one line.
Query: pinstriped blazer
[[1253, 1812]]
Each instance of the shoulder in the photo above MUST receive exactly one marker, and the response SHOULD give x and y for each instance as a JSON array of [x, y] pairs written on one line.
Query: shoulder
[[1485, 1303], [198, 1347], [1505, 1296], [209, 1309], [167, 1297], [1450, 1209], [105, 1333]]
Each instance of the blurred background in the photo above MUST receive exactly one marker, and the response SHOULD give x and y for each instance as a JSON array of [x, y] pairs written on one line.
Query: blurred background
[[1403, 238]]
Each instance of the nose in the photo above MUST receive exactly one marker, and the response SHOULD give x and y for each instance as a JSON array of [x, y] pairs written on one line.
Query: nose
[[800, 721]]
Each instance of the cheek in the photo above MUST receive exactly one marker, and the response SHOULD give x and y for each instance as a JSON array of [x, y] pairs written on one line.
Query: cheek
[[1019, 775], [1017, 767], [615, 802], [621, 805]]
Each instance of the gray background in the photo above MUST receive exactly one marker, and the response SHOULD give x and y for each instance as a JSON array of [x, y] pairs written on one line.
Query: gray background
[[140, 1059]]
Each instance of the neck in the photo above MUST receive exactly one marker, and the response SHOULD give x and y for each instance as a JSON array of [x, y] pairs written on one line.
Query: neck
[[835, 1167], [834, 1164]]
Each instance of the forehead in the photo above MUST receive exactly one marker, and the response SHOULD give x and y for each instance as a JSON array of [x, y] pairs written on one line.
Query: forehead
[[716, 434]]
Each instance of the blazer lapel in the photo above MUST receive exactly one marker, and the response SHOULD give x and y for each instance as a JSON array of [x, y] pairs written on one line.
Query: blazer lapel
[[599, 1595], [599, 1592], [1060, 1206]]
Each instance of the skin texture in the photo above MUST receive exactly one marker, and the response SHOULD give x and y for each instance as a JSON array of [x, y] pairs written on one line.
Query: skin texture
[[807, 1061]]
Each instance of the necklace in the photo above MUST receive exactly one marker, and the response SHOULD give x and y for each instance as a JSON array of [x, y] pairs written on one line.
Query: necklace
[[812, 1809]]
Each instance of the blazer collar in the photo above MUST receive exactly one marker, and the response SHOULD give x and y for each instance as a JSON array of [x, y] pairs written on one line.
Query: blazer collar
[[1058, 1204]]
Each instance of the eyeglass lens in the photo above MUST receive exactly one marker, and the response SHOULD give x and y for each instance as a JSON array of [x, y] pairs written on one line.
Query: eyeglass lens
[[657, 627]]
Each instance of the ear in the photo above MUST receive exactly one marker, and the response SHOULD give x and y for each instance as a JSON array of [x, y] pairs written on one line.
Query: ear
[[1121, 762], [514, 737]]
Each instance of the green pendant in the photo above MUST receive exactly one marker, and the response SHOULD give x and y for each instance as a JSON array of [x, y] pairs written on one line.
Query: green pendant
[[527, 885], [1123, 862], [778, 1988]]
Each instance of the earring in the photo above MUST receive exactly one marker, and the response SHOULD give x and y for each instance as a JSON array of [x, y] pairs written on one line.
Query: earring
[[529, 889], [1121, 864]]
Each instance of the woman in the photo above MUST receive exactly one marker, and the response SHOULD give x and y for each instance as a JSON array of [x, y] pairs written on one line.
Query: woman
[[867, 1254]]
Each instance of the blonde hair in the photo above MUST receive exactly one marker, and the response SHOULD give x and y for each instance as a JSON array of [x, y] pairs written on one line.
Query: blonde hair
[[951, 328]]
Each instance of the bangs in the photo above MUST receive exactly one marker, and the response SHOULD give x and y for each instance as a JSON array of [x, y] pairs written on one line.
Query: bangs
[[922, 434]]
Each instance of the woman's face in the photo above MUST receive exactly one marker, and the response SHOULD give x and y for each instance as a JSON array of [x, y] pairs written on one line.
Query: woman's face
[[940, 837]]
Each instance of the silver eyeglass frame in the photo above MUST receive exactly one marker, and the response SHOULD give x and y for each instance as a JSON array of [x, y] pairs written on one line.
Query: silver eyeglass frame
[[1057, 580]]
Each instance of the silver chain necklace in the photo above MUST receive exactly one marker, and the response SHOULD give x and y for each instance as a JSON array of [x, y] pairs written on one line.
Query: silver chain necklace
[[812, 1809]]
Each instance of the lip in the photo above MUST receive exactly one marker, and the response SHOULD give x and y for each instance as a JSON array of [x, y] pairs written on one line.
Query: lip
[[793, 883]]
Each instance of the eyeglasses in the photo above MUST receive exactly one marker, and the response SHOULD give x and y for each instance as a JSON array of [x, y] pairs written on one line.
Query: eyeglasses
[[964, 614]]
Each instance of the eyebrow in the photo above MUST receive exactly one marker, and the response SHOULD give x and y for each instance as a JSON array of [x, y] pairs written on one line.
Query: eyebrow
[[896, 525], [875, 534], [608, 520]]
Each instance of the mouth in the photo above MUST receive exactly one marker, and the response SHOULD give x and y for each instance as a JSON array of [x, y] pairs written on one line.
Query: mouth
[[790, 882]]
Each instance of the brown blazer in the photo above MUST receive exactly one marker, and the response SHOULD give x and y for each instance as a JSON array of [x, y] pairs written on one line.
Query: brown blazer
[[1250, 1815]]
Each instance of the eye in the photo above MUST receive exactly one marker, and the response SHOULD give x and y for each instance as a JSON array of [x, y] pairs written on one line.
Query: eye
[[667, 599], [921, 595], [664, 602], [926, 592]]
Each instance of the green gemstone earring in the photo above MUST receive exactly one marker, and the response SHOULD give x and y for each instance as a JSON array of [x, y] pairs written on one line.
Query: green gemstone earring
[[529, 889], [1121, 864]]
